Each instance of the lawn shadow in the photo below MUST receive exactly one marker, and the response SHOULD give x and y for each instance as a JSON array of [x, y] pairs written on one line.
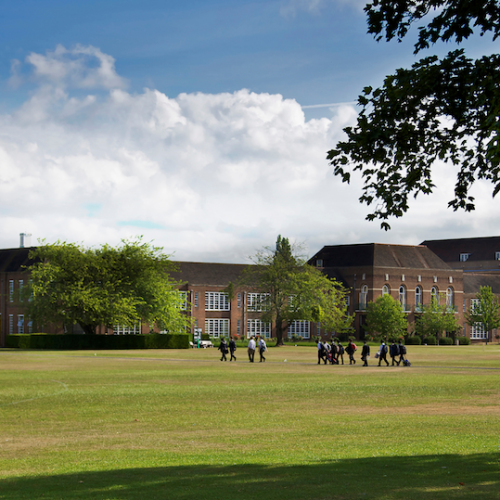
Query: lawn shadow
[[416, 477]]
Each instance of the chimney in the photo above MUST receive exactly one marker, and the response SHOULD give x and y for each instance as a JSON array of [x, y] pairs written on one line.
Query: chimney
[[25, 240]]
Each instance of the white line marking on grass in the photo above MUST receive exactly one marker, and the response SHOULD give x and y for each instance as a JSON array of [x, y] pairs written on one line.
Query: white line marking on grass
[[65, 388]]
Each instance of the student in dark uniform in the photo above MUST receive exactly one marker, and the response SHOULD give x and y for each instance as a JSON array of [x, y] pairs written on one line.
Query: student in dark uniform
[[394, 352], [365, 352], [402, 352], [223, 349], [350, 349], [340, 353], [232, 348], [334, 352], [383, 354]]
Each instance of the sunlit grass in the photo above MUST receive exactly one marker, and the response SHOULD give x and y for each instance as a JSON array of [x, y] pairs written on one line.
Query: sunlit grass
[[99, 414]]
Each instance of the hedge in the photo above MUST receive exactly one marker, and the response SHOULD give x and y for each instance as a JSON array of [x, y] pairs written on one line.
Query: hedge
[[414, 340], [464, 340], [430, 340], [98, 342]]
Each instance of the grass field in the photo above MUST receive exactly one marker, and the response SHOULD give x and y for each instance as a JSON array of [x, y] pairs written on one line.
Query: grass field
[[181, 425]]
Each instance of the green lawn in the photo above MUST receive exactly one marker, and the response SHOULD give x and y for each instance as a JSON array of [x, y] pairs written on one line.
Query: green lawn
[[181, 424]]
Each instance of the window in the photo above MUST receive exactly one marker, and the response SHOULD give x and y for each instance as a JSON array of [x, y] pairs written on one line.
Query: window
[[418, 298], [450, 302], [20, 323], [21, 284], [127, 330], [319, 262], [216, 301], [435, 294], [363, 297], [218, 327], [257, 301], [30, 326], [464, 257], [11, 290], [386, 290], [11, 324], [402, 295], [183, 300], [497, 255], [299, 328], [473, 304], [258, 327], [195, 299], [238, 327], [477, 331], [239, 300]]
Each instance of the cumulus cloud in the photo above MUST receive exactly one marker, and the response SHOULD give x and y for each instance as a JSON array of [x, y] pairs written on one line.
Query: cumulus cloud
[[80, 67], [209, 177]]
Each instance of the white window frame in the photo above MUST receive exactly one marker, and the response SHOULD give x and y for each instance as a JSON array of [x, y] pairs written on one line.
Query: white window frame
[[20, 323], [435, 294], [418, 296], [450, 297], [217, 327], [464, 257], [217, 301], [386, 290], [258, 327], [477, 332], [183, 295], [402, 295], [127, 330], [257, 302], [301, 328], [11, 290], [11, 324], [363, 296]]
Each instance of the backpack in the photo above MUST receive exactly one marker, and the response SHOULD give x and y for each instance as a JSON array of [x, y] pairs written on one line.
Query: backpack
[[402, 349], [341, 349], [406, 362], [385, 348]]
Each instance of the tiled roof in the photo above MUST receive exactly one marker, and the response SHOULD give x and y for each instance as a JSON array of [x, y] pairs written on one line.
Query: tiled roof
[[12, 260], [473, 282], [201, 273], [379, 255], [480, 249]]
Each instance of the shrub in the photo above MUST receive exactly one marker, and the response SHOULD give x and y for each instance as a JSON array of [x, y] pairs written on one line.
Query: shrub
[[464, 340], [415, 340], [77, 342], [430, 340], [445, 341]]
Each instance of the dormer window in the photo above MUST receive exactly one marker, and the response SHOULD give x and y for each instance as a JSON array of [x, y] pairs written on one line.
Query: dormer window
[[465, 257], [497, 255], [319, 262]]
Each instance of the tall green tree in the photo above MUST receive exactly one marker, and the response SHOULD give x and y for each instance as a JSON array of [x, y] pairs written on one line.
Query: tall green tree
[[486, 311], [294, 290], [103, 286], [386, 317], [440, 109], [435, 319]]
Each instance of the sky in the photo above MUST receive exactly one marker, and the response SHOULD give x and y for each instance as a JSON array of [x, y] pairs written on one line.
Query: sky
[[202, 126]]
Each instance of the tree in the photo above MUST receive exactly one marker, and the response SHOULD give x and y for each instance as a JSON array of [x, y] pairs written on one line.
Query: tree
[[438, 110], [293, 290], [486, 311], [436, 319], [103, 286], [386, 317]]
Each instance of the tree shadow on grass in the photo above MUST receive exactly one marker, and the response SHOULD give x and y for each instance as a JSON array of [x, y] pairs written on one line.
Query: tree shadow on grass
[[417, 477]]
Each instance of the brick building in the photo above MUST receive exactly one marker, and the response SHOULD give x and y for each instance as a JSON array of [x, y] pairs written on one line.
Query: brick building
[[410, 274]]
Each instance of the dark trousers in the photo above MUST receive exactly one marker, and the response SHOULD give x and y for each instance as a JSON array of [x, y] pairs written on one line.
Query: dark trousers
[[232, 356], [383, 357], [251, 355], [261, 352]]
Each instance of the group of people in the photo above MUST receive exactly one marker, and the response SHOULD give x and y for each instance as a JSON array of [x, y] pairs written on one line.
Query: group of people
[[252, 346], [334, 353]]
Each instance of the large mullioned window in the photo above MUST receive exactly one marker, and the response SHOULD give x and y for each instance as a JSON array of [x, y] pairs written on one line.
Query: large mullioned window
[[217, 301]]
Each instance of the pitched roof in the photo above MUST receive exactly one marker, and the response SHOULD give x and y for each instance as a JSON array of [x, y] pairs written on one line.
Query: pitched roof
[[474, 281], [13, 260], [379, 255], [213, 274], [478, 248]]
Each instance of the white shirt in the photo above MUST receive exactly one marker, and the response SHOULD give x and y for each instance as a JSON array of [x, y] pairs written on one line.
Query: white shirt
[[251, 344]]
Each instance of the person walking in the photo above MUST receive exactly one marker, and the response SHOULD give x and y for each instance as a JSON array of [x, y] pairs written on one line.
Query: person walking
[[351, 349], [365, 352], [223, 349], [340, 353], [402, 352], [251, 349], [262, 349], [333, 349], [383, 354], [232, 348], [321, 352], [394, 352]]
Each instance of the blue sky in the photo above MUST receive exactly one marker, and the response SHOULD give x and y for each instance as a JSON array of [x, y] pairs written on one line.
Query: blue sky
[[197, 124]]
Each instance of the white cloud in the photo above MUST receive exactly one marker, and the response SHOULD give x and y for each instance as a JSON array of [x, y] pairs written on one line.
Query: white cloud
[[70, 67], [290, 8], [209, 177]]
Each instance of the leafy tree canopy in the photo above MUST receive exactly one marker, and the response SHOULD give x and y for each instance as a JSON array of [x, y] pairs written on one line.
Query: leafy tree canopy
[[436, 318], [103, 286], [294, 290], [444, 109], [386, 317]]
